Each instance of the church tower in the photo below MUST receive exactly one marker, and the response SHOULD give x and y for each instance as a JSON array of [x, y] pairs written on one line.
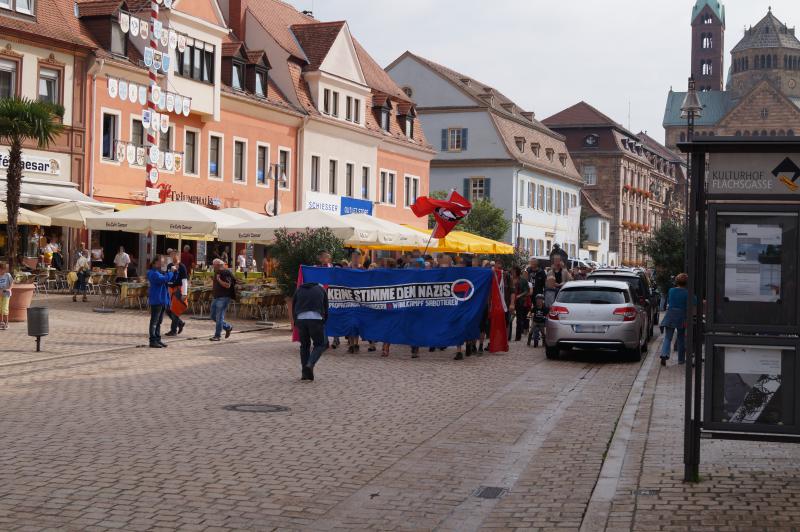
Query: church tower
[[708, 44]]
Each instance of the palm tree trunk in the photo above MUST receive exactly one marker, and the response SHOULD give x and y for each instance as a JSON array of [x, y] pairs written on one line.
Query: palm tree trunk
[[13, 185]]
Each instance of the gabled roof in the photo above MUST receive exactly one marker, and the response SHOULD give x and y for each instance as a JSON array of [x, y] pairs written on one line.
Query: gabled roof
[[716, 104], [277, 18], [583, 115], [55, 20], [716, 7], [768, 33], [481, 93], [659, 149], [591, 208], [316, 40]]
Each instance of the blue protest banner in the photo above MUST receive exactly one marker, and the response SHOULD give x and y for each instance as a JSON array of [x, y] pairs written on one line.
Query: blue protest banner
[[440, 307]]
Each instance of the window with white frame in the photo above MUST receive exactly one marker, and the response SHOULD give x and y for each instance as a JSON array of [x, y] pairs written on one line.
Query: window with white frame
[[137, 132], [262, 165], [239, 161], [333, 177], [559, 202], [165, 140], [284, 161], [8, 78], [110, 135], [190, 152], [549, 199], [214, 156], [387, 187], [315, 161], [477, 188], [521, 193], [20, 6], [356, 110], [349, 170], [411, 190], [326, 101], [590, 174], [49, 85], [540, 198], [603, 230], [531, 195], [348, 109], [454, 139], [365, 182]]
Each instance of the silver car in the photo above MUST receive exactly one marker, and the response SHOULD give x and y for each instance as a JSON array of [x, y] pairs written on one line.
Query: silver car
[[596, 314]]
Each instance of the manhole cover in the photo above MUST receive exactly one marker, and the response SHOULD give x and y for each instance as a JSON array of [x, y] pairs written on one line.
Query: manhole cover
[[490, 492], [262, 409]]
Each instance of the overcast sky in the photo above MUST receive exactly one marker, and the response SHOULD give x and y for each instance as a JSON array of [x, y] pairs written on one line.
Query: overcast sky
[[549, 54]]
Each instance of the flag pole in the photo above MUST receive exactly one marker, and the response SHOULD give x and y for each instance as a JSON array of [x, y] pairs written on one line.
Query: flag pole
[[429, 241]]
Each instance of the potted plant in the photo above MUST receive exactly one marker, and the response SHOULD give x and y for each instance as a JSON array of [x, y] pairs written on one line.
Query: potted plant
[[293, 250], [21, 297], [627, 187], [23, 120]]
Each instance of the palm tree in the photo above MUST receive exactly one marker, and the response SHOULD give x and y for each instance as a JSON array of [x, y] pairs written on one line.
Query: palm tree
[[21, 120]]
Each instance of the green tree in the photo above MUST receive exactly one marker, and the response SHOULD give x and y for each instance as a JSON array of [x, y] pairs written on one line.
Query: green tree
[[486, 220], [665, 249], [293, 250], [584, 234], [23, 120]]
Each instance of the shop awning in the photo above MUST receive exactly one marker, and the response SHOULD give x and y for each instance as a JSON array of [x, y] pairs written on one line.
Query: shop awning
[[38, 193]]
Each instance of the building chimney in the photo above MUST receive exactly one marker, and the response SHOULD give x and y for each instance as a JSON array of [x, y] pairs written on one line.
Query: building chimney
[[527, 115], [237, 10]]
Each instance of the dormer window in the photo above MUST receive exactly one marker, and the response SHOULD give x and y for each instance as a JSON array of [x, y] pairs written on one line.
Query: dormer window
[[197, 61], [563, 158], [536, 148], [409, 126], [237, 76], [520, 142], [119, 39], [260, 84], [549, 152], [406, 114], [383, 110], [385, 119]]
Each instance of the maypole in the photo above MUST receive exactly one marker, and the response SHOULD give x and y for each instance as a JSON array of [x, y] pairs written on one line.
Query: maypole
[[152, 171]]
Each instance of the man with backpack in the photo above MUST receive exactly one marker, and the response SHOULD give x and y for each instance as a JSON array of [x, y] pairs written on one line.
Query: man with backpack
[[223, 291]]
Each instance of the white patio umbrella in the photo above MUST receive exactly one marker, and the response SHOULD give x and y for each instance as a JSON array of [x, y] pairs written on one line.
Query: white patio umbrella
[[24, 217], [352, 231], [244, 214], [393, 234], [177, 217], [74, 214]]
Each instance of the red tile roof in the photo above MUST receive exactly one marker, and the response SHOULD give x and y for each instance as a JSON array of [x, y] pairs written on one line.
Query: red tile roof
[[658, 148], [316, 40], [376, 77], [54, 19], [591, 208], [277, 18], [95, 8]]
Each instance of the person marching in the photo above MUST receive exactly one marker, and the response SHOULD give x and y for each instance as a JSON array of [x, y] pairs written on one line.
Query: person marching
[[158, 297], [178, 290], [310, 313], [223, 289]]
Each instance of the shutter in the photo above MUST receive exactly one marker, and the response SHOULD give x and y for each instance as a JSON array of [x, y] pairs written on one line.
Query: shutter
[[487, 188], [464, 139], [466, 188], [444, 140]]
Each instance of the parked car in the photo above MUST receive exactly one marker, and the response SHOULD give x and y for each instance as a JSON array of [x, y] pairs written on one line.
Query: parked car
[[596, 314], [643, 292]]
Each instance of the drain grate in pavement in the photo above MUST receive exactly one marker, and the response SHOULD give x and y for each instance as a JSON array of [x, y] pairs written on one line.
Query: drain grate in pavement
[[489, 492], [652, 492], [261, 409]]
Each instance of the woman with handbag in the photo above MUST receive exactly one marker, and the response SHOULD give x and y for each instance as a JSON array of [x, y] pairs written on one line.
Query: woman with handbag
[[675, 320]]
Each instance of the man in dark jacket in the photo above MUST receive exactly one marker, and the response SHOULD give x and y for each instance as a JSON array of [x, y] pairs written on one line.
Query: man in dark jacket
[[177, 290], [536, 276], [310, 312]]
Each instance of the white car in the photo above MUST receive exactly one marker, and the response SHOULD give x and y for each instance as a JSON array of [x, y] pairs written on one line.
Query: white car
[[596, 314]]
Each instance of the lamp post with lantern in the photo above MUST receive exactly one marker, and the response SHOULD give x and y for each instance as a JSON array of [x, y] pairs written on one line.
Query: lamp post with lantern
[[278, 173]]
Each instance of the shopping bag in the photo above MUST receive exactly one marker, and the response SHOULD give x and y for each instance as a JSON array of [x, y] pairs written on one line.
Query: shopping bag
[[177, 303]]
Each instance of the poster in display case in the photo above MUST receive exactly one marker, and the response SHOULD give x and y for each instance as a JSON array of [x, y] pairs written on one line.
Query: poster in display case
[[752, 385], [751, 283]]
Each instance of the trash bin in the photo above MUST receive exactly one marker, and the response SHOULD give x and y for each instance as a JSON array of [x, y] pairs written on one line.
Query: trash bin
[[38, 324]]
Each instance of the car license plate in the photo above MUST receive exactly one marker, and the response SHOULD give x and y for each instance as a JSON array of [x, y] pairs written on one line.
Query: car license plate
[[589, 328]]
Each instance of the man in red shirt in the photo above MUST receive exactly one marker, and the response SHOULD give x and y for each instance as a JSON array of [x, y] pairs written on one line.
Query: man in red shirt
[[187, 259]]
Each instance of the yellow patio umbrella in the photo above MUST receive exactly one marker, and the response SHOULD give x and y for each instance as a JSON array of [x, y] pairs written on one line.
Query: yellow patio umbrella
[[24, 216], [457, 242]]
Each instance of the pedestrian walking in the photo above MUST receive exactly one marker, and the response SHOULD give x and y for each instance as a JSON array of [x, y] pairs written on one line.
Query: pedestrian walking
[[6, 282], [82, 270], [223, 290], [539, 317], [178, 290], [309, 313], [674, 321], [158, 297], [187, 259], [520, 301]]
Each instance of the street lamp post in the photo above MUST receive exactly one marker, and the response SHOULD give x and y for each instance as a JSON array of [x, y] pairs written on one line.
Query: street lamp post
[[277, 173], [691, 109]]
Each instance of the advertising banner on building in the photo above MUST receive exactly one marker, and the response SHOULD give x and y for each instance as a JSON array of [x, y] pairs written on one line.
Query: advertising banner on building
[[336, 204], [753, 174], [32, 164], [390, 305]]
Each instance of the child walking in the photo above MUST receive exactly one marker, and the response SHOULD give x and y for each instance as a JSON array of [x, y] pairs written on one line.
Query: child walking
[[539, 315], [6, 281]]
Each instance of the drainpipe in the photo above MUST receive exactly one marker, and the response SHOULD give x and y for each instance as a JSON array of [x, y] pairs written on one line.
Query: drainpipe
[[298, 196], [515, 209], [95, 69]]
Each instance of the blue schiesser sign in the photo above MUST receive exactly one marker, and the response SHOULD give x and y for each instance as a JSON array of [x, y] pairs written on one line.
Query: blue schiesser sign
[[441, 307]]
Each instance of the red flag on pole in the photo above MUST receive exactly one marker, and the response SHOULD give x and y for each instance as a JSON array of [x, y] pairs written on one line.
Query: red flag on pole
[[498, 334], [446, 212]]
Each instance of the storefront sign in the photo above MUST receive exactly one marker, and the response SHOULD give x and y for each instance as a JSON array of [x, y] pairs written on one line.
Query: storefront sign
[[196, 199], [336, 204], [753, 174], [30, 163]]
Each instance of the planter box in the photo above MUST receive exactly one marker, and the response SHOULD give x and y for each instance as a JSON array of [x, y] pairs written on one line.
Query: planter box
[[21, 297]]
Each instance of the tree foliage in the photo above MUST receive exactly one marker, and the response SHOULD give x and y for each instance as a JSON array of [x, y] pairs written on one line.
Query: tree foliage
[[666, 249], [486, 220], [21, 120], [293, 250]]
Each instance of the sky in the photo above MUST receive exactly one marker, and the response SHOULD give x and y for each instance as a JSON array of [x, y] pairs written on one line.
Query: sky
[[547, 55]]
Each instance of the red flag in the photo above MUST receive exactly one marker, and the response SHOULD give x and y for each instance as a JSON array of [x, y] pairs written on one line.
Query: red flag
[[498, 334], [446, 212]]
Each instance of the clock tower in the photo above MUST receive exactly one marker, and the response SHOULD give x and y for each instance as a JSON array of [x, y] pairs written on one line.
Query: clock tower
[[708, 34]]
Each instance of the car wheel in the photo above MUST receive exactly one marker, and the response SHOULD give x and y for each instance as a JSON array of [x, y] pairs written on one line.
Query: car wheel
[[635, 354], [551, 352]]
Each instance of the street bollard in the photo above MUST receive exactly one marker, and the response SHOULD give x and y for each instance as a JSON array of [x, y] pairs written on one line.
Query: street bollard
[[38, 324]]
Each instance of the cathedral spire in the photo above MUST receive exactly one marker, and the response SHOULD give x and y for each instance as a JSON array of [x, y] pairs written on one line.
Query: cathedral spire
[[715, 6]]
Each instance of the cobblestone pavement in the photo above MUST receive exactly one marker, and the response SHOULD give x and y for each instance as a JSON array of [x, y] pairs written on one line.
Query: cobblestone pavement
[[137, 439]]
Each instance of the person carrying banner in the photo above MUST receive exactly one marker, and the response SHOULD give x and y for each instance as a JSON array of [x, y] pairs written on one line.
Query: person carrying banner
[[309, 314]]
